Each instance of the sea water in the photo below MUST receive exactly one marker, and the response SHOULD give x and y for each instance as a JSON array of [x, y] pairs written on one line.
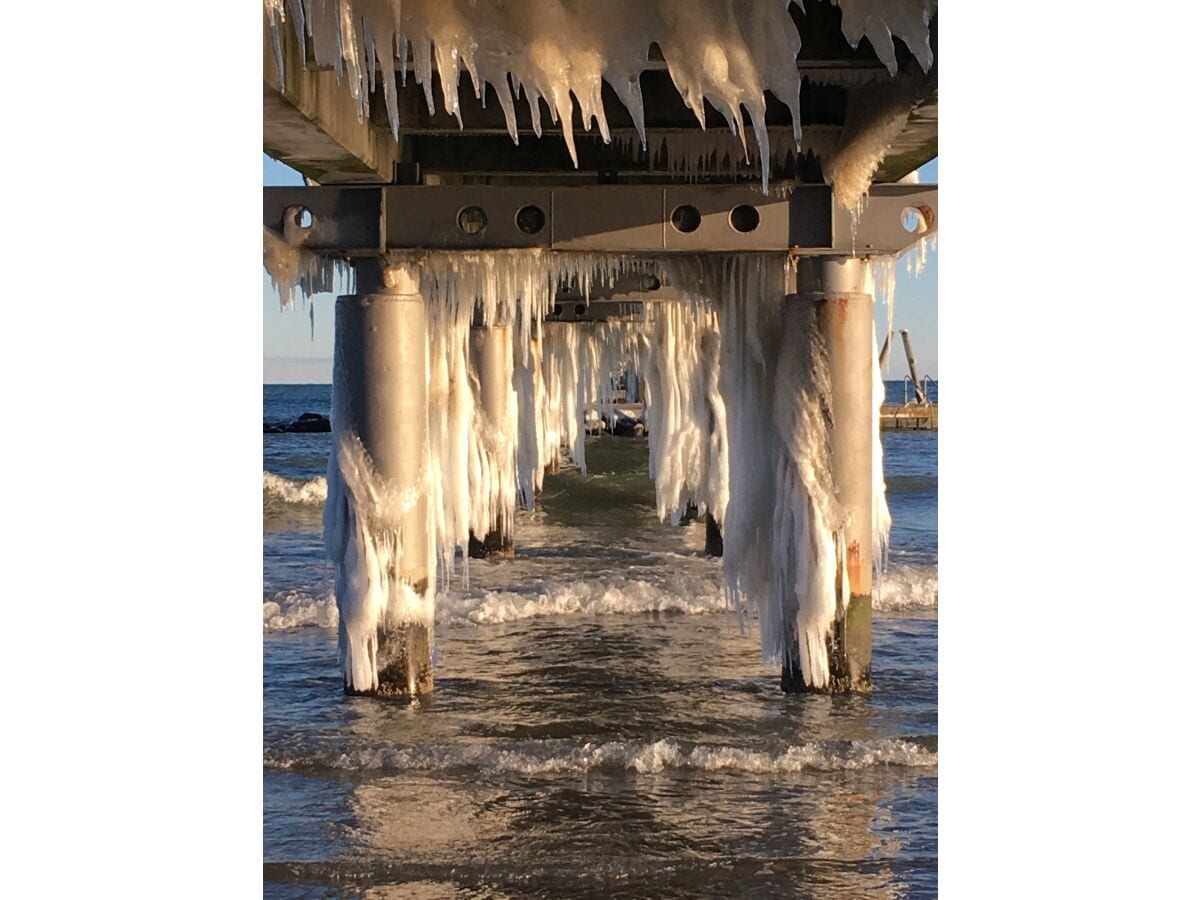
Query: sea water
[[600, 724]]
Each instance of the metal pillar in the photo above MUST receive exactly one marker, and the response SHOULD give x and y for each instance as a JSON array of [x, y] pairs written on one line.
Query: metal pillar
[[491, 354], [912, 368], [838, 285], [381, 347]]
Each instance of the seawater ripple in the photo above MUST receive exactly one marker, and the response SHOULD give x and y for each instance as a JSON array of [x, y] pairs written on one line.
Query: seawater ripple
[[649, 757]]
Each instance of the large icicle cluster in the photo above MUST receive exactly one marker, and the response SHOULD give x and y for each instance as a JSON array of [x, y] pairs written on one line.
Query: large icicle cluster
[[736, 398], [684, 410], [726, 52], [474, 464], [782, 525], [292, 267], [493, 476]]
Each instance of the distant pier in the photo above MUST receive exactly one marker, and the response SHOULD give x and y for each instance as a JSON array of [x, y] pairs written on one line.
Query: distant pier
[[914, 417]]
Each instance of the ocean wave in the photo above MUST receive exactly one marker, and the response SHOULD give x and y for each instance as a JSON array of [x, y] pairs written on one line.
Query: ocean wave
[[293, 609], [609, 596], [280, 491], [904, 587], [550, 757], [907, 587]]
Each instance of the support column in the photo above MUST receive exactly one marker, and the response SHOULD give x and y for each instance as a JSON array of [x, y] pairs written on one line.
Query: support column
[[381, 347], [714, 544], [839, 288], [491, 354]]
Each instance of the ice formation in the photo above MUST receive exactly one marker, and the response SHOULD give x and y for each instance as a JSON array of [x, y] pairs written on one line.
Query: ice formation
[[782, 524], [729, 53], [364, 537], [737, 400], [292, 267], [493, 480], [684, 410]]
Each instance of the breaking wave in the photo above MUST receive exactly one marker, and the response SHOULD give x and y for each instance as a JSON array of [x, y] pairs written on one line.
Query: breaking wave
[[905, 587], [280, 492], [296, 610], [908, 587], [612, 595], [548, 757]]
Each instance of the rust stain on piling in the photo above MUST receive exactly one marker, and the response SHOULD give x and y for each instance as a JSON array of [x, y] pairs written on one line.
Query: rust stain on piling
[[854, 569]]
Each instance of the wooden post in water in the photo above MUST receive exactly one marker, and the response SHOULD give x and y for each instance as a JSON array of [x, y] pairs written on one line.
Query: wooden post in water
[[381, 348]]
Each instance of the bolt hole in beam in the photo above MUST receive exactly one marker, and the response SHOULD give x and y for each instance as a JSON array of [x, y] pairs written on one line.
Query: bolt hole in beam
[[531, 219], [916, 219], [472, 220], [580, 309], [558, 309], [743, 218], [303, 216], [685, 218], [651, 283]]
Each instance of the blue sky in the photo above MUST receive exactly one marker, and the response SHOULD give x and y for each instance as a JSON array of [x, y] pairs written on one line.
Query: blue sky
[[290, 354]]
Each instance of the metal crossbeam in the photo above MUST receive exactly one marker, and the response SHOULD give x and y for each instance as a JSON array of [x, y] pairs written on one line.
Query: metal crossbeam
[[350, 221]]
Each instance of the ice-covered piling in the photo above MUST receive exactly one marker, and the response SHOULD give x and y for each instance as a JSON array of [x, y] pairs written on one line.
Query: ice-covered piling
[[834, 296], [494, 456], [378, 518]]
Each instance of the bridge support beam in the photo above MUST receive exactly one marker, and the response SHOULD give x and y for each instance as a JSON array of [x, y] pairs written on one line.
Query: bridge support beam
[[839, 288], [492, 357], [381, 361]]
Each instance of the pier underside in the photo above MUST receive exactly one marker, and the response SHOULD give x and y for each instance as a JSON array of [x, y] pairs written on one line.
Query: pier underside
[[447, 222]]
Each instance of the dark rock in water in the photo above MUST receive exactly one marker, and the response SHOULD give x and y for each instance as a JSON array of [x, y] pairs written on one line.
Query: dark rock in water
[[311, 422], [308, 423]]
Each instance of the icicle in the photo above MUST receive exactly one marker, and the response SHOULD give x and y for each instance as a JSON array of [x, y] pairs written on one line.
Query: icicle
[[881, 517], [493, 453], [292, 268], [686, 415], [729, 55]]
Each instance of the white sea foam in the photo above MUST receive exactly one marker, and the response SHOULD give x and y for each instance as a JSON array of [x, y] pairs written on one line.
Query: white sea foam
[[279, 490], [652, 757], [611, 596], [907, 587], [904, 587], [293, 609]]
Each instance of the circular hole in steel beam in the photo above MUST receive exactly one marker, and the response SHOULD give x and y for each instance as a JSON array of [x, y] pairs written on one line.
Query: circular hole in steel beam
[[580, 309], [743, 218], [685, 218], [303, 217], [916, 219], [472, 220], [531, 219], [651, 283], [558, 309]]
